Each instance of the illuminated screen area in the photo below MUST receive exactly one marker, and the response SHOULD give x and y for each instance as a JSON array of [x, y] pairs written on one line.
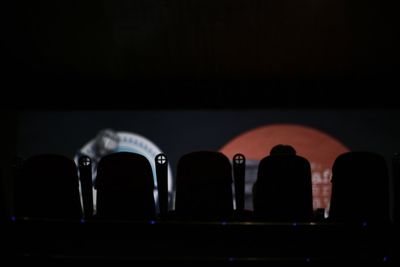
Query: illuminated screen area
[[317, 135], [319, 148]]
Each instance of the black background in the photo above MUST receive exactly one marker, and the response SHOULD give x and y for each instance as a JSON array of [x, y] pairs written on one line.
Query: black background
[[319, 63], [199, 54], [191, 55]]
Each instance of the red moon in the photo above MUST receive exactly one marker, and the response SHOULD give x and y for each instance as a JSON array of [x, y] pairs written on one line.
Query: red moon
[[318, 147]]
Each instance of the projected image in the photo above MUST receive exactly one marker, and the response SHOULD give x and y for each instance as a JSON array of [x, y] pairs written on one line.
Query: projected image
[[317, 135], [319, 148], [110, 141]]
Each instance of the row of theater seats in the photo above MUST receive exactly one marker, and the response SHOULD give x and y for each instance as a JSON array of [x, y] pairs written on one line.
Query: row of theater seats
[[47, 186]]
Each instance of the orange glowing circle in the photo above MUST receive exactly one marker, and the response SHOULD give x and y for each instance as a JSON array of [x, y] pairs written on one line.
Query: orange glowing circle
[[318, 147]]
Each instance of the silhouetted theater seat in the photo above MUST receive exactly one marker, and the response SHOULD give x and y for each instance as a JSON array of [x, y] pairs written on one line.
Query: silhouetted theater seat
[[360, 188], [283, 189], [125, 187], [204, 186], [46, 186]]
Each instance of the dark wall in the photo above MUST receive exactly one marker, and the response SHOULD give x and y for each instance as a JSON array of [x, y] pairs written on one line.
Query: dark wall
[[201, 38], [290, 49]]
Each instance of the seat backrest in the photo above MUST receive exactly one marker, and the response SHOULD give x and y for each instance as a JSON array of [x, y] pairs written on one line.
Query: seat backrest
[[283, 189], [125, 187], [360, 188], [204, 186], [47, 186]]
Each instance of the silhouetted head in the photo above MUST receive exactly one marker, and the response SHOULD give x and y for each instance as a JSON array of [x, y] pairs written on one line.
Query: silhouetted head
[[282, 150], [106, 142]]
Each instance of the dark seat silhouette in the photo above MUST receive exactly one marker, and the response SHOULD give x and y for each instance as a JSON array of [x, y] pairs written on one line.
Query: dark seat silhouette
[[125, 187], [283, 189], [204, 186], [47, 186], [360, 188]]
